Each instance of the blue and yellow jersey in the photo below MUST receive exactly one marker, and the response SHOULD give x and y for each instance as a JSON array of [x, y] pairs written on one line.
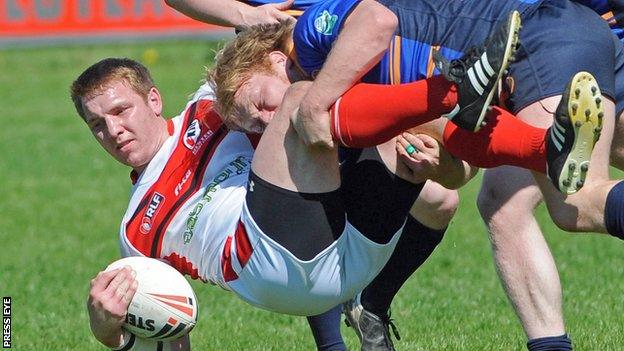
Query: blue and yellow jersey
[[611, 10], [295, 10], [424, 26]]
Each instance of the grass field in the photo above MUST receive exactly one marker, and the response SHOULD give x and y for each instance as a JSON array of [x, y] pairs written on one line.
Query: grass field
[[61, 200]]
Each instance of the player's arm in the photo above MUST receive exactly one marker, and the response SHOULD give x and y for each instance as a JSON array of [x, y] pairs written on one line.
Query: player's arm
[[231, 13], [364, 38], [109, 298], [430, 160]]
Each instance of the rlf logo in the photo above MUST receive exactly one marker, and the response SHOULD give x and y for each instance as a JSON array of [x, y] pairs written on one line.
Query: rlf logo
[[192, 134], [152, 209]]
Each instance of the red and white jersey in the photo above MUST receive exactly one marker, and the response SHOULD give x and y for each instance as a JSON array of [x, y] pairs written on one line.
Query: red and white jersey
[[189, 198]]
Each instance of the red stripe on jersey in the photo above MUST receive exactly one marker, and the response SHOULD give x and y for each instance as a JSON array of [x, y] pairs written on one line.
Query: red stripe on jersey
[[226, 261], [181, 177], [243, 246], [195, 184], [182, 265], [243, 252]]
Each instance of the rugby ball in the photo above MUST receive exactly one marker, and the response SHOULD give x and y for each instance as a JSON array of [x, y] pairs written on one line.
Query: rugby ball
[[164, 306]]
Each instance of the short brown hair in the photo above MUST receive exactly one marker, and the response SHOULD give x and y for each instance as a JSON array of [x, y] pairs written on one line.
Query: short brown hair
[[243, 56], [98, 75]]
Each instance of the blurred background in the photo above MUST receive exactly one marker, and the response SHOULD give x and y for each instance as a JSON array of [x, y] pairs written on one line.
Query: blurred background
[[62, 199]]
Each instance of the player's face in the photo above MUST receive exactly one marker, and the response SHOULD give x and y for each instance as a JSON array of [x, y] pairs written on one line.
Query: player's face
[[258, 99], [126, 125]]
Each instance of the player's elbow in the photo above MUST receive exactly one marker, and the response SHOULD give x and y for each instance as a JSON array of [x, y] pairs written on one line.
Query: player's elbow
[[380, 18]]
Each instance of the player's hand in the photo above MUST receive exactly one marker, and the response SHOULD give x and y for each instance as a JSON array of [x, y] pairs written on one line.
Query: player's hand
[[313, 126], [269, 13], [109, 298], [428, 161]]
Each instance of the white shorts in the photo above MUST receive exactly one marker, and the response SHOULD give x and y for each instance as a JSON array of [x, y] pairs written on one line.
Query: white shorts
[[274, 279]]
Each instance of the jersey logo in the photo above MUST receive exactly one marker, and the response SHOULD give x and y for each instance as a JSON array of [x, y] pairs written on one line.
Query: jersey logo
[[155, 203], [325, 23], [192, 134]]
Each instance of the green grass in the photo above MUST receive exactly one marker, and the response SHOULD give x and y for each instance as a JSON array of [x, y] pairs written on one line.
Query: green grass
[[61, 200]]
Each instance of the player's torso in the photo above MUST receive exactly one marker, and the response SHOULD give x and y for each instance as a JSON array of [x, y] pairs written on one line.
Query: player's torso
[[188, 200]]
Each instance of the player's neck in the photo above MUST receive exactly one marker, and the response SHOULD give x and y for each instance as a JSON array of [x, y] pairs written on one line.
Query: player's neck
[[294, 71]]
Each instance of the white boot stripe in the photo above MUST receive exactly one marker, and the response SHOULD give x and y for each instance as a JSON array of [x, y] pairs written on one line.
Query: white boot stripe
[[558, 135], [554, 139], [475, 82], [486, 64], [452, 114], [559, 127], [481, 74]]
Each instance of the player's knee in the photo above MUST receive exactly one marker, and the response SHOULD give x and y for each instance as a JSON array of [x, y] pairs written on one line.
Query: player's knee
[[500, 209], [436, 205], [617, 153]]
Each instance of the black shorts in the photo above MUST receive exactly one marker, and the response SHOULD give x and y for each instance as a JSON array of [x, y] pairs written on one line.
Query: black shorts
[[371, 198]]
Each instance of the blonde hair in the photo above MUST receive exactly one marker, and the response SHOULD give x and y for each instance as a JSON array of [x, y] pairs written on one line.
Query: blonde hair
[[244, 56], [97, 76]]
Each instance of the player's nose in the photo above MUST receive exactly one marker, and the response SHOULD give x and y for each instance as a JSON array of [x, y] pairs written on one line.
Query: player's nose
[[113, 127]]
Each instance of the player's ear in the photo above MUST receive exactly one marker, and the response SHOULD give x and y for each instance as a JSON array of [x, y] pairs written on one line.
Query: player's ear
[[278, 58], [154, 101]]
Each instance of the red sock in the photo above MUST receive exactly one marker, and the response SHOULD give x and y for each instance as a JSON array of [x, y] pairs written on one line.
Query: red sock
[[505, 140], [371, 114]]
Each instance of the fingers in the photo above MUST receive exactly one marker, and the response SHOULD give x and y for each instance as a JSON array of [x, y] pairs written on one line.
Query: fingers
[[285, 5], [427, 140], [103, 279], [123, 291]]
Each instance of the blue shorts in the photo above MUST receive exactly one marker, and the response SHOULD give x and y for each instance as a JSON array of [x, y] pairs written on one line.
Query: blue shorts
[[557, 40]]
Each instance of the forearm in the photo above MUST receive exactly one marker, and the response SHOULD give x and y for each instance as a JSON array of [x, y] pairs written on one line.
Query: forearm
[[364, 39], [111, 338], [228, 13]]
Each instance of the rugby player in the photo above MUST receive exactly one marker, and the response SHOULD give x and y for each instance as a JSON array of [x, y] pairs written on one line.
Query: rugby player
[[509, 195], [531, 11], [199, 203]]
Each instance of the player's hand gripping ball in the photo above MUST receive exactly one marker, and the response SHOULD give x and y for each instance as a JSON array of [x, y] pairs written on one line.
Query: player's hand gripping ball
[[164, 306]]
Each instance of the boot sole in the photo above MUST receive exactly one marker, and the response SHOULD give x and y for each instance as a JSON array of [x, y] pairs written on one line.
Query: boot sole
[[586, 111]]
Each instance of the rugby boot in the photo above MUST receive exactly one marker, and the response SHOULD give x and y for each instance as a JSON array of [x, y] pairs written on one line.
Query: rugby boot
[[478, 72], [575, 130], [372, 330]]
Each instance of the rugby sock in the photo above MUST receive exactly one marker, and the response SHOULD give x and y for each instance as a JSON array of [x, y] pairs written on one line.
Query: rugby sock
[[504, 140], [326, 330], [413, 248], [614, 211], [371, 114], [550, 343]]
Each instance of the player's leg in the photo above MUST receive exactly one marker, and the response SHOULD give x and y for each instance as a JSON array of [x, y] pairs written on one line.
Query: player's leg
[[522, 258], [325, 328], [460, 97], [368, 314]]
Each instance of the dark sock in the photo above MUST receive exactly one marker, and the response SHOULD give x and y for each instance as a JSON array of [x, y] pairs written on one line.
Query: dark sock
[[326, 330], [550, 343], [413, 248], [614, 211]]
